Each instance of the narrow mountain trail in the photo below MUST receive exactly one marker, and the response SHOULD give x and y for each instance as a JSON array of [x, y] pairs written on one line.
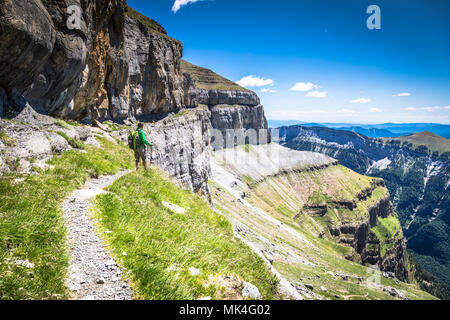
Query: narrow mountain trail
[[93, 274]]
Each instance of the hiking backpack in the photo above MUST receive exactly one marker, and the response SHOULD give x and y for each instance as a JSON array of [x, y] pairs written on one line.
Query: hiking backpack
[[133, 140]]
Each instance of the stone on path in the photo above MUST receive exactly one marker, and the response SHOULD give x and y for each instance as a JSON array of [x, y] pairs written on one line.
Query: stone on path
[[93, 274]]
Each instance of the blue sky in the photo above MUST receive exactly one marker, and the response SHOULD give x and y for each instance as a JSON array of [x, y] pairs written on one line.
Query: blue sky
[[341, 71]]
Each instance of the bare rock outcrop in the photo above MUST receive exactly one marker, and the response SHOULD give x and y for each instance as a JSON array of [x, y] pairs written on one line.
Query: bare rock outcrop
[[117, 65], [41, 57], [361, 237], [181, 148]]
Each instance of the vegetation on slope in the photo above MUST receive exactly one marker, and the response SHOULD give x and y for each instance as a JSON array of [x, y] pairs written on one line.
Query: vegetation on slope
[[33, 256], [428, 234], [428, 282], [162, 245], [209, 80], [423, 141], [7, 140], [328, 257], [418, 187], [283, 197], [151, 25], [387, 230]]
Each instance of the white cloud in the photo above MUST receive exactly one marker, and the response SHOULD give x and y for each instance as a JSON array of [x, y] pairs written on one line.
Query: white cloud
[[180, 3], [317, 94], [251, 81], [361, 100], [403, 94], [304, 86], [267, 90], [429, 109], [375, 110], [318, 111]]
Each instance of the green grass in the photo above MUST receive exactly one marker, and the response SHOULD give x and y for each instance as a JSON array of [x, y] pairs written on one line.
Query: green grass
[[155, 239], [209, 80], [387, 229], [247, 147], [182, 113], [151, 25], [7, 140], [31, 223], [115, 126], [72, 142], [73, 123], [248, 179], [428, 139], [62, 123]]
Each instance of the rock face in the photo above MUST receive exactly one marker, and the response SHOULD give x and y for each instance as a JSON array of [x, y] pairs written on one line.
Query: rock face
[[144, 75], [232, 107], [111, 67], [119, 65], [181, 147], [41, 57], [367, 244], [235, 117], [227, 97], [116, 65]]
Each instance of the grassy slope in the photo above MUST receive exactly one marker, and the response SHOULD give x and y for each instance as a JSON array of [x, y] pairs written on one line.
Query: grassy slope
[[155, 239], [150, 24], [282, 197], [209, 80], [432, 141], [387, 229], [32, 229], [31, 224]]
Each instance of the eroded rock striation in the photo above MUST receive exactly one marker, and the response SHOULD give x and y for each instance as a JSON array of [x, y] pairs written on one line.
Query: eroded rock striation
[[119, 65]]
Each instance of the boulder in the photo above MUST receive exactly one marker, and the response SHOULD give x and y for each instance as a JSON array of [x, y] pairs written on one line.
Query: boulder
[[251, 292]]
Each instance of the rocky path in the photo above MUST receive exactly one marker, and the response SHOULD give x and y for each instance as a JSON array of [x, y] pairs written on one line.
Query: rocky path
[[93, 274]]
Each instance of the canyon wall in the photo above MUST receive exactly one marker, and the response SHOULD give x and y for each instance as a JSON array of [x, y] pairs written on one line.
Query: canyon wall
[[118, 65]]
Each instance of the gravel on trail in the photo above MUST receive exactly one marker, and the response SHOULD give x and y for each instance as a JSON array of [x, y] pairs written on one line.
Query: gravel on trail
[[93, 273]]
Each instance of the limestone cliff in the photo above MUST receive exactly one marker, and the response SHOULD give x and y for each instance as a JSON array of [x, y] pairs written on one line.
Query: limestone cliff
[[118, 65], [231, 106], [181, 147], [41, 58]]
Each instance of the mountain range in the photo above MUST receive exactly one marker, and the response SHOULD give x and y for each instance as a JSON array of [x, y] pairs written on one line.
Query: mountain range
[[416, 169], [388, 130]]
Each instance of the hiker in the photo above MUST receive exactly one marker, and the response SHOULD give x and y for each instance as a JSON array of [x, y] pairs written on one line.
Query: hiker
[[138, 142]]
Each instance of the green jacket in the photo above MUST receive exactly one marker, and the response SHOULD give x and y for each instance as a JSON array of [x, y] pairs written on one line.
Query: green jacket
[[142, 138]]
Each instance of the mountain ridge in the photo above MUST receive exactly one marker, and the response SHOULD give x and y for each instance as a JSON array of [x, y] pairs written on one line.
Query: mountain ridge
[[416, 176], [379, 130]]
